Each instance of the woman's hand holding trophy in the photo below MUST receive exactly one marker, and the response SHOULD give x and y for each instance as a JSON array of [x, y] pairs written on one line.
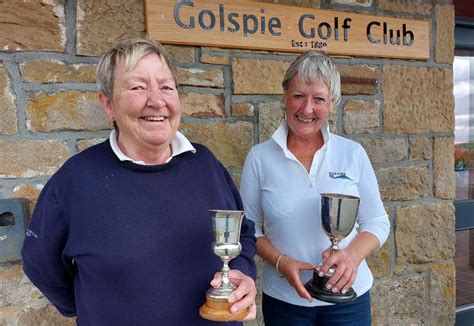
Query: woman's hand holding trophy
[[338, 216]]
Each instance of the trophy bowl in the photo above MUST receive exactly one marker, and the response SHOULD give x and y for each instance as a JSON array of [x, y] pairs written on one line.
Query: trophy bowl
[[338, 216], [226, 245]]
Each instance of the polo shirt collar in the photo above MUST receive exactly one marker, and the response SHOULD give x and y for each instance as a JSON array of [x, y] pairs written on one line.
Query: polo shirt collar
[[280, 136], [179, 145]]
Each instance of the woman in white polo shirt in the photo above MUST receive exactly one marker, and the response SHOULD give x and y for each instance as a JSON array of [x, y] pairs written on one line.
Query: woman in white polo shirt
[[282, 182]]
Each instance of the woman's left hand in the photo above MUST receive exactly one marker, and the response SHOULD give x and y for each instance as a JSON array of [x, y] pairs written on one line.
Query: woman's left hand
[[345, 263], [243, 296], [347, 260]]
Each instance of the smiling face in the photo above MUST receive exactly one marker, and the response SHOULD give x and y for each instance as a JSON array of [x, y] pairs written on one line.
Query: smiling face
[[145, 106], [307, 108]]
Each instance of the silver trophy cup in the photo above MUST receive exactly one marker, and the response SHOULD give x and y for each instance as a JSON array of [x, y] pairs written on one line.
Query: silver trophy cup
[[226, 245], [338, 216]]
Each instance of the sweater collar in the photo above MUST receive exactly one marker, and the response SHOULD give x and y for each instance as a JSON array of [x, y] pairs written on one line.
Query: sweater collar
[[179, 145]]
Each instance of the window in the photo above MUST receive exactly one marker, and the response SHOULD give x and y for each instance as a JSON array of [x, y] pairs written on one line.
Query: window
[[463, 71], [463, 75]]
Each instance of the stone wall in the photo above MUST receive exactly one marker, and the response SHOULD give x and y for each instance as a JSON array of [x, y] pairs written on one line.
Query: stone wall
[[402, 112]]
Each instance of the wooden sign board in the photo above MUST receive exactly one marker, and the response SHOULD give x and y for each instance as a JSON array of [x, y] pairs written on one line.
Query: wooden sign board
[[262, 26]]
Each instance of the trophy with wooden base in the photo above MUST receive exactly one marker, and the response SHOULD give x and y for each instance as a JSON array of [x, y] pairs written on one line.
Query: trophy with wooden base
[[338, 216], [226, 226]]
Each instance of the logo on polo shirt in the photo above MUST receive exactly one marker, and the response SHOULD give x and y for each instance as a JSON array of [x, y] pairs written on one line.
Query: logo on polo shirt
[[339, 175]]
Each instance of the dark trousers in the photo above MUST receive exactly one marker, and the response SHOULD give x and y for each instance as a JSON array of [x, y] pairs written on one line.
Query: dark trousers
[[279, 313]]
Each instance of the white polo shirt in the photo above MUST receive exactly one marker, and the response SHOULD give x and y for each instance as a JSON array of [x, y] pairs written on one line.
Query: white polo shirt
[[283, 200]]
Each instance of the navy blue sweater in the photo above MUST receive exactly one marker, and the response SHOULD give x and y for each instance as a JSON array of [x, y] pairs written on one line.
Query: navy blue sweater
[[117, 243]]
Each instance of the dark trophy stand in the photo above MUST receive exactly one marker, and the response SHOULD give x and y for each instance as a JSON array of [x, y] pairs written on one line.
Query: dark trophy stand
[[317, 288]]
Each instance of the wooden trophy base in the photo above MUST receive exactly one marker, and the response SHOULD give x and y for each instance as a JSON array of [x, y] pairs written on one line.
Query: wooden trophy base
[[218, 310]]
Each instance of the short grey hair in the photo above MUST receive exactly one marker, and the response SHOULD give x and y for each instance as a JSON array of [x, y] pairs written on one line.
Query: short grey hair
[[130, 52], [313, 65]]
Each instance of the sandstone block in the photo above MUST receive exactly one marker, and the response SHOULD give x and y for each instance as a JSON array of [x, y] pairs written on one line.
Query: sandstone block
[[441, 320], [200, 77], [83, 144], [32, 25], [403, 183], [230, 142], [418, 100], [183, 54], [444, 49], [440, 305], [443, 172], [46, 315], [54, 71], [236, 178], [424, 233], [398, 301], [100, 24], [8, 315], [358, 79], [202, 105], [382, 150], [10, 273], [15, 287], [361, 117], [215, 60], [242, 109], [269, 117], [65, 110], [420, 149], [362, 3], [421, 7], [31, 158], [31, 194], [442, 294], [253, 76], [332, 120], [9, 120], [379, 261]]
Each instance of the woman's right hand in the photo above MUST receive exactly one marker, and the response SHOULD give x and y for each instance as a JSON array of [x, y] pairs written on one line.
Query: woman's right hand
[[290, 269]]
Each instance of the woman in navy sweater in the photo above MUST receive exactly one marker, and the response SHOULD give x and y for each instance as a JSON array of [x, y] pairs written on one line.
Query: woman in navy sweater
[[121, 234]]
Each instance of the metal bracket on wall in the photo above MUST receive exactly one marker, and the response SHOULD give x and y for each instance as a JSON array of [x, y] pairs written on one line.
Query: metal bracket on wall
[[12, 228]]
